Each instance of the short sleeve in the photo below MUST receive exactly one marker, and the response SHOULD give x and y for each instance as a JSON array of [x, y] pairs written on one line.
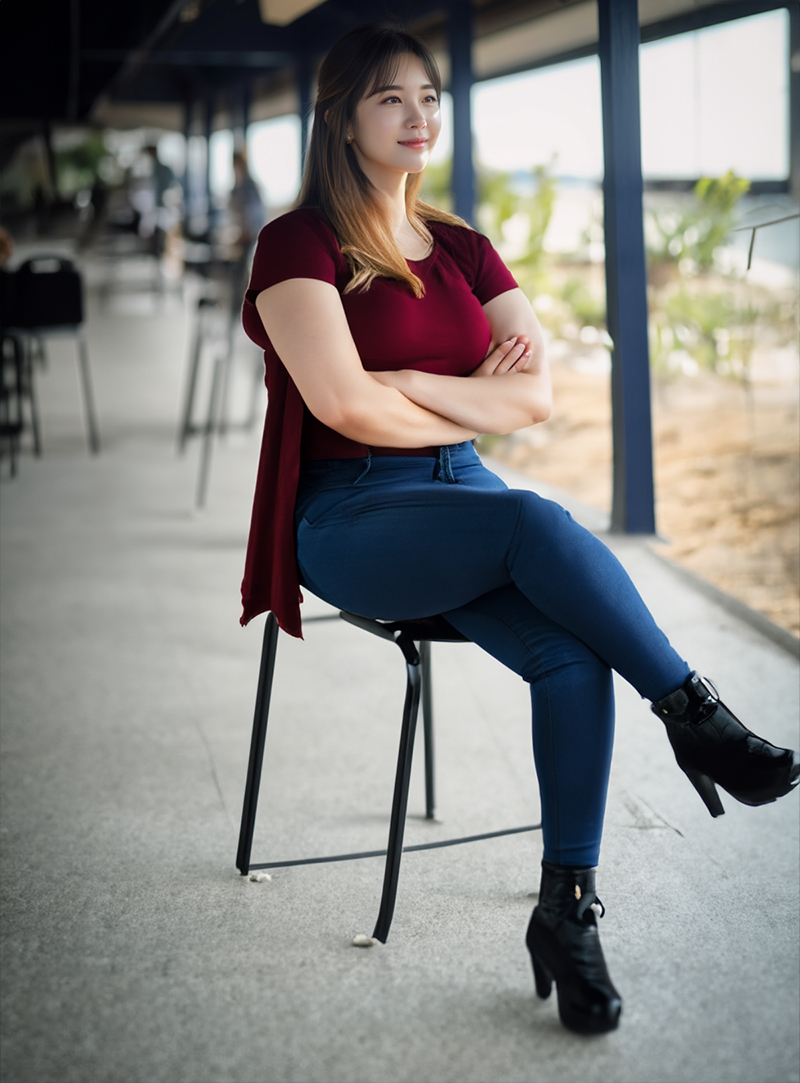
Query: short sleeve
[[296, 245], [491, 277], [476, 259]]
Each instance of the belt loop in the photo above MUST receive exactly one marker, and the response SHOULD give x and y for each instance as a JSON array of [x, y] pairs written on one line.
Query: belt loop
[[445, 467], [367, 466]]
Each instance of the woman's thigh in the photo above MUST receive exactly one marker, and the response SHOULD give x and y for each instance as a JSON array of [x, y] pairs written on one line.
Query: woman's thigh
[[405, 546]]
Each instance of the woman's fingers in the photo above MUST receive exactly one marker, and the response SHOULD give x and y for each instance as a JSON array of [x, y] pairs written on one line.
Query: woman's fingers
[[525, 357], [514, 354]]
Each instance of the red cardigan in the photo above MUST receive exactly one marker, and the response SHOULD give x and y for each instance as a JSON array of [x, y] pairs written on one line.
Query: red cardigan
[[445, 332]]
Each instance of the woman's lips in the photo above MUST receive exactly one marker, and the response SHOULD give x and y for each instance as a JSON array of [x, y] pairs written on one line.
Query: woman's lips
[[413, 142]]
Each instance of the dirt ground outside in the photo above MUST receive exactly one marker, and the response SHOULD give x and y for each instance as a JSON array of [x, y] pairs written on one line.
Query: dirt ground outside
[[727, 467]]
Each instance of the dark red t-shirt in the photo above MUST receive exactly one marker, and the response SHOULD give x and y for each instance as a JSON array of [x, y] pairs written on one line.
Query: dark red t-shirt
[[445, 332]]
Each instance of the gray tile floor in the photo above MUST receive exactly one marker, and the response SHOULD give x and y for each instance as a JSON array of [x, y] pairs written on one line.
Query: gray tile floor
[[133, 952]]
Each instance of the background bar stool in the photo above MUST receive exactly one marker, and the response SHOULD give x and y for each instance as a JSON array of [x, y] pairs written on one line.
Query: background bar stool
[[46, 298], [414, 638]]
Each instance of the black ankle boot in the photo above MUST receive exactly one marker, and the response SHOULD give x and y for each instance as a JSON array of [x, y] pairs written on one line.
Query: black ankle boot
[[564, 945], [712, 746]]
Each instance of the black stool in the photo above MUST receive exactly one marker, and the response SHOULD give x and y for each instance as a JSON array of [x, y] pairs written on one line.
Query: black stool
[[45, 297], [414, 638]]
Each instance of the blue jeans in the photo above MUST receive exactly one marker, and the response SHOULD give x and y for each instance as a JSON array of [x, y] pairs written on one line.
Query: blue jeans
[[397, 538]]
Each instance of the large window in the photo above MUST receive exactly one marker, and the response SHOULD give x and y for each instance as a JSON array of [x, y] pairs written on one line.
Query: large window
[[273, 148], [717, 99], [711, 100]]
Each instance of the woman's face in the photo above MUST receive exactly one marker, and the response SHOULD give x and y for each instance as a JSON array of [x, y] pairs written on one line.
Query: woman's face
[[395, 129]]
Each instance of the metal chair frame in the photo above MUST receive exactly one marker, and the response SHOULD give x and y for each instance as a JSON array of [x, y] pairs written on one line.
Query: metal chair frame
[[12, 392], [215, 327], [414, 639], [29, 337], [43, 303]]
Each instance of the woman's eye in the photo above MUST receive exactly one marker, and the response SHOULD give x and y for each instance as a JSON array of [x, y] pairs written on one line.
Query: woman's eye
[[432, 99], [394, 98]]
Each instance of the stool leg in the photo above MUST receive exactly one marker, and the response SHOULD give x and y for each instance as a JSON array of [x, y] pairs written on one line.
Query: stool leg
[[400, 801], [92, 429], [29, 381], [233, 325], [209, 432], [191, 386], [260, 718], [427, 727], [14, 393]]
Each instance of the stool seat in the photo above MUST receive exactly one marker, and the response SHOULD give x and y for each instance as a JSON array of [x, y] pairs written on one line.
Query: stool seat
[[421, 629]]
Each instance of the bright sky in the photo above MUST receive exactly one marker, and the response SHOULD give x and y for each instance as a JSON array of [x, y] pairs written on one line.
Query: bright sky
[[712, 100]]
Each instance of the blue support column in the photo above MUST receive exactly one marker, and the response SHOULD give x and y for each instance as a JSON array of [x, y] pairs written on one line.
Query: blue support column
[[238, 111], [794, 103], [462, 183], [188, 111], [247, 98], [209, 127], [633, 505], [303, 71]]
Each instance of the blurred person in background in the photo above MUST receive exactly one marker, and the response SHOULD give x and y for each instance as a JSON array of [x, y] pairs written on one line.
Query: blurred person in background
[[246, 209], [155, 196]]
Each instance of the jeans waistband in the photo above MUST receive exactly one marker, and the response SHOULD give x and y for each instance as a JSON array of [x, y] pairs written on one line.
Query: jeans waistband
[[333, 473], [404, 453]]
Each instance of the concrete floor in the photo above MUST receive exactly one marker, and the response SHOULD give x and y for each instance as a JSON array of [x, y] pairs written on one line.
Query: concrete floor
[[133, 952]]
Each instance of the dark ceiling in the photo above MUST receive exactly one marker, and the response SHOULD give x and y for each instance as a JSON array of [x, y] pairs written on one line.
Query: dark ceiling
[[57, 57]]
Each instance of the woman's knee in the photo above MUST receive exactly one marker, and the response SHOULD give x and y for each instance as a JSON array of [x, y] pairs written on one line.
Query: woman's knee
[[542, 524], [508, 626]]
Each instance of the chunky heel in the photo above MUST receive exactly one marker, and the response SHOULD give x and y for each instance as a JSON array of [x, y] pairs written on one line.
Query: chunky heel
[[542, 978], [565, 949], [707, 790], [713, 748]]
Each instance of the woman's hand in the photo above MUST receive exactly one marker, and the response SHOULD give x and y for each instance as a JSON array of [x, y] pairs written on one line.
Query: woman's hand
[[512, 389], [513, 355]]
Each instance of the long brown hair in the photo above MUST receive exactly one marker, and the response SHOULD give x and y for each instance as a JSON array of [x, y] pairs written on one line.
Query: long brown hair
[[334, 182]]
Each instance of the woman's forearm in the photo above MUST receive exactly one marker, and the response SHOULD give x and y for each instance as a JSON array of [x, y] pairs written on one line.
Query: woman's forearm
[[383, 416], [327, 371], [487, 404]]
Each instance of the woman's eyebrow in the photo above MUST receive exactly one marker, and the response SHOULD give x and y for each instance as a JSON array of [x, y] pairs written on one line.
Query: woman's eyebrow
[[396, 86]]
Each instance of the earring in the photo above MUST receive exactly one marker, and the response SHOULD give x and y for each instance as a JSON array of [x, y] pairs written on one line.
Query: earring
[[349, 140]]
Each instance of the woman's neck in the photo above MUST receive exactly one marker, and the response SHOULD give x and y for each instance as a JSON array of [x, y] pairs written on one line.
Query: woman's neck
[[392, 194], [408, 240]]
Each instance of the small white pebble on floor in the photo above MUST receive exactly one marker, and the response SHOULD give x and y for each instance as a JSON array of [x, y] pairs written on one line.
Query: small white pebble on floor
[[363, 941], [260, 877]]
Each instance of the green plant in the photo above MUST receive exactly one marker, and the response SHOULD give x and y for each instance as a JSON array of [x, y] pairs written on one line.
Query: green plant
[[496, 194], [81, 165], [675, 236], [718, 198], [588, 309], [539, 207], [696, 320], [717, 331]]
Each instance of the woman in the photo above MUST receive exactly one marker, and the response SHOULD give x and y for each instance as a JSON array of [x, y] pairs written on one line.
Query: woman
[[393, 335]]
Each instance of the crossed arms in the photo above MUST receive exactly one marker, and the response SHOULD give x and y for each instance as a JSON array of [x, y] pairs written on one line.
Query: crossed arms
[[508, 391]]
